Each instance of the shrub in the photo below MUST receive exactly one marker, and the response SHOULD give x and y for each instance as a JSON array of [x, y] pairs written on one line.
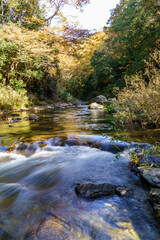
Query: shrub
[[139, 101], [11, 99]]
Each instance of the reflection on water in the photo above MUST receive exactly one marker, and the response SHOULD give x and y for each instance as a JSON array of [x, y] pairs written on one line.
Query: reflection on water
[[68, 121]]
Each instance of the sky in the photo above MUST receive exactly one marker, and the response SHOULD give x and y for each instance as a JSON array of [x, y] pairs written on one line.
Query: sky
[[94, 15]]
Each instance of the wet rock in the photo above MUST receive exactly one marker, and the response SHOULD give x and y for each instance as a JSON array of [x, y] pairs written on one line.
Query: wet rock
[[26, 149], [22, 146], [75, 142], [99, 99], [95, 106], [16, 119], [151, 160], [33, 117], [154, 198], [113, 147], [15, 115], [141, 145], [54, 229], [152, 175], [124, 191], [91, 190]]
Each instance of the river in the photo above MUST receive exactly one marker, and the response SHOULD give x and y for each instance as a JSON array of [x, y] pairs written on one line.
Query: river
[[45, 161]]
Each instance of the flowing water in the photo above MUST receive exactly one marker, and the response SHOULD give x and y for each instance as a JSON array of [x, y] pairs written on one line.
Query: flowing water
[[38, 178]]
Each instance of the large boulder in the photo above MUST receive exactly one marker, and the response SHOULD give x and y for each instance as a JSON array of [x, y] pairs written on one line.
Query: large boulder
[[152, 175], [99, 99], [92, 190], [95, 106]]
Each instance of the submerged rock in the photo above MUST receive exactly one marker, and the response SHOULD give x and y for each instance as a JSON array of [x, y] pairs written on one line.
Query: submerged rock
[[53, 229], [91, 190], [33, 117], [95, 106], [152, 175]]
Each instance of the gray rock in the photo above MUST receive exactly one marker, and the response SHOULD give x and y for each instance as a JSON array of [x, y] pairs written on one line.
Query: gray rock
[[95, 106], [99, 99], [95, 190], [111, 100], [152, 175], [141, 145], [91, 190], [151, 160], [124, 191], [15, 115], [113, 147], [33, 117], [154, 197]]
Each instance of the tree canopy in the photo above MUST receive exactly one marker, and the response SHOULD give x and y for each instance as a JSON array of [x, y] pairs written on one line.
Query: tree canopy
[[34, 13]]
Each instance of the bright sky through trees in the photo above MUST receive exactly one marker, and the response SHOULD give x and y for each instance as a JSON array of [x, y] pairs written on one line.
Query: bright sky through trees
[[94, 15]]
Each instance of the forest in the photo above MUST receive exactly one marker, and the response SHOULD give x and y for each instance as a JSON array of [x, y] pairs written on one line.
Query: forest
[[60, 62]]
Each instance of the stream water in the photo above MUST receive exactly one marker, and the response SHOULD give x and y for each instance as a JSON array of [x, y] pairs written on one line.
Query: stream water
[[38, 178]]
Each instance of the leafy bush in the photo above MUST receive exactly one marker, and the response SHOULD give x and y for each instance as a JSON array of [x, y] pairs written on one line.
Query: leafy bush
[[111, 108], [10, 99], [140, 101]]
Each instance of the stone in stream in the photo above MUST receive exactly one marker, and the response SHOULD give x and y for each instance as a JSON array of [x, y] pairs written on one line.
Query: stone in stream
[[33, 117], [99, 99], [95, 106], [53, 229], [18, 119], [113, 147], [15, 115], [91, 190], [151, 160], [124, 191], [152, 175]]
